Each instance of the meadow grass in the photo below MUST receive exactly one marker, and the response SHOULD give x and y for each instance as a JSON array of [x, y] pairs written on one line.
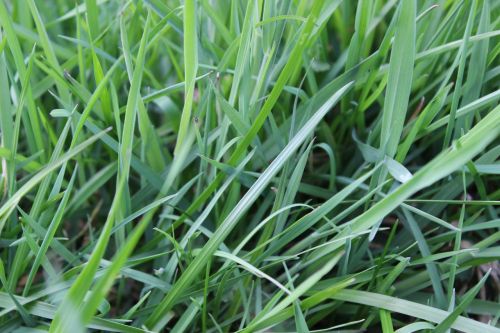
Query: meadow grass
[[244, 166]]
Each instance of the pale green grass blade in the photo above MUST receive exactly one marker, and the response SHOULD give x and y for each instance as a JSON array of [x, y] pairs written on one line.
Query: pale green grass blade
[[251, 18], [307, 303], [449, 161], [412, 309], [190, 71], [68, 315], [415, 327], [49, 52], [457, 93], [47, 310], [386, 321], [477, 62], [296, 293], [131, 109], [451, 319], [104, 284], [252, 269], [54, 225], [15, 48], [400, 78], [187, 317]]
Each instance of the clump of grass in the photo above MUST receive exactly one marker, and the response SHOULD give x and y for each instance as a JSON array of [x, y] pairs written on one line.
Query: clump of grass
[[224, 166]]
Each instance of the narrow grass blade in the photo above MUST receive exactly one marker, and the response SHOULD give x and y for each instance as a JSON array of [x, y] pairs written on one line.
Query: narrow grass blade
[[190, 70]]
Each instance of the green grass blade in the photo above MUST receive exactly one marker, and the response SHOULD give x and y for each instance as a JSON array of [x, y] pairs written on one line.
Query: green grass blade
[[190, 70]]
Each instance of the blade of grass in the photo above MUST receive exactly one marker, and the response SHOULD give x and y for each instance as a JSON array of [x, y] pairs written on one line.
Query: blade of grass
[[190, 70], [54, 225], [412, 309]]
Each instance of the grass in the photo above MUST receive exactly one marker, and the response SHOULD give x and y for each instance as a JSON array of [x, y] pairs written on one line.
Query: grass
[[244, 166]]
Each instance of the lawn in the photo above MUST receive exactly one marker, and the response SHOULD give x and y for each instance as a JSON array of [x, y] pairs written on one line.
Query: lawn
[[250, 166]]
